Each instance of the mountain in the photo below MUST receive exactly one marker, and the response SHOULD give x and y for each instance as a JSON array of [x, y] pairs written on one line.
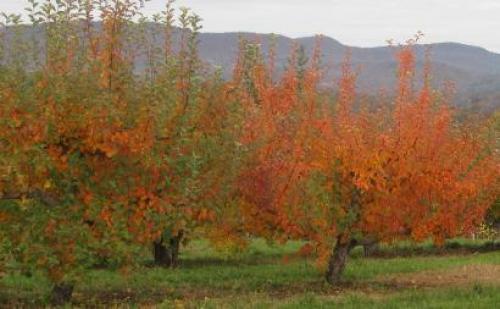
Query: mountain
[[474, 71]]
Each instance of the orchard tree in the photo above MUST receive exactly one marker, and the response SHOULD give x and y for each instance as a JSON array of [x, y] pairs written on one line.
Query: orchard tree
[[98, 163], [493, 216], [194, 150], [410, 171], [277, 127], [356, 173]]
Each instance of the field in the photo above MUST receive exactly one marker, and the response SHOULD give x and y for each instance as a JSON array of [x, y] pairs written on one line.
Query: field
[[122, 146], [460, 275]]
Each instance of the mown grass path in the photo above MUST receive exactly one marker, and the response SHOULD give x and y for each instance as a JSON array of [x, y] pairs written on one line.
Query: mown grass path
[[271, 276]]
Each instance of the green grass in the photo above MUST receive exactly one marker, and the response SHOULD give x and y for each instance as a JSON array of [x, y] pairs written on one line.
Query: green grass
[[453, 246], [472, 297], [259, 278], [359, 269]]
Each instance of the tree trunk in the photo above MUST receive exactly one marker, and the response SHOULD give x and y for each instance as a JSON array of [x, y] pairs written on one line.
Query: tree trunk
[[61, 294], [345, 242], [370, 249], [370, 246], [161, 253], [166, 252], [175, 244], [338, 259]]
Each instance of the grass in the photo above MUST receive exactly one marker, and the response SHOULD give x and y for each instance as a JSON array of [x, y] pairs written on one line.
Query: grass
[[476, 297], [453, 246], [259, 278]]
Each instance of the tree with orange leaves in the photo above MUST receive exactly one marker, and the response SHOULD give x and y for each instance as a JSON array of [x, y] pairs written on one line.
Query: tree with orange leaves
[[339, 177], [408, 171], [99, 163], [277, 125]]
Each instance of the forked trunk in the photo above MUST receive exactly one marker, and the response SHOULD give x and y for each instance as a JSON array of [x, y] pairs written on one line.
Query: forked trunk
[[345, 242], [370, 247], [161, 253], [166, 251], [61, 294], [175, 244], [338, 259]]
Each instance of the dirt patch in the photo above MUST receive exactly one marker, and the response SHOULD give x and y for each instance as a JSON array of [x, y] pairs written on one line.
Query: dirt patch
[[377, 289], [456, 276]]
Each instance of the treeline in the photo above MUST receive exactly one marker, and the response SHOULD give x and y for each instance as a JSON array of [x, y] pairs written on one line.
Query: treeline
[[99, 163]]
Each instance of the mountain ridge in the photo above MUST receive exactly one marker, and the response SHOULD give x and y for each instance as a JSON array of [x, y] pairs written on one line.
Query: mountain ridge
[[473, 69]]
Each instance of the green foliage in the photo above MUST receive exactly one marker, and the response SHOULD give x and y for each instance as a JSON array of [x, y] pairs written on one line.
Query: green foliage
[[95, 173], [99, 160]]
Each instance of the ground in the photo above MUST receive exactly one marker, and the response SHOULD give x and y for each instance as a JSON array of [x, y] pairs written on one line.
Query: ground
[[461, 275]]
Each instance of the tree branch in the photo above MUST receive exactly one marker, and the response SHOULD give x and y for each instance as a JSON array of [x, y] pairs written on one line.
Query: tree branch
[[36, 194]]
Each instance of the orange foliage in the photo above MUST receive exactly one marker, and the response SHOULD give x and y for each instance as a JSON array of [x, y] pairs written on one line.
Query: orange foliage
[[405, 169], [118, 160], [278, 119]]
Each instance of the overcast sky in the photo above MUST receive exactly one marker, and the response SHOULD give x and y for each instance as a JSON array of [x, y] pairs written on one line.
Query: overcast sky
[[353, 22]]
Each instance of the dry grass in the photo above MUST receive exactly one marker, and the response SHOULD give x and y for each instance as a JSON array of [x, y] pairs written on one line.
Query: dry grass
[[453, 277]]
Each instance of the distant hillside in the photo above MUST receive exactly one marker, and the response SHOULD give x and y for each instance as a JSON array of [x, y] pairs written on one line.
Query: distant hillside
[[474, 70]]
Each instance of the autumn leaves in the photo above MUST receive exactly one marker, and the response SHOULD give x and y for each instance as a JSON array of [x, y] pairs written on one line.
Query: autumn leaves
[[399, 168], [140, 159]]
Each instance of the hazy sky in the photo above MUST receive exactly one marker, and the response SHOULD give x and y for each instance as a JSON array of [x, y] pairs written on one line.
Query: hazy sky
[[353, 22]]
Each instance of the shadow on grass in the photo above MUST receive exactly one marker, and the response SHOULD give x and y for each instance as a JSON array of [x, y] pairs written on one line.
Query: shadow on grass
[[248, 259], [449, 248], [259, 271]]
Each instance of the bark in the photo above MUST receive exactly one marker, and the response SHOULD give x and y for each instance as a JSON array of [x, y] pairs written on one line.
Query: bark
[[370, 247], [161, 254], [338, 259], [166, 252], [175, 244], [345, 242], [45, 197], [61, 293]]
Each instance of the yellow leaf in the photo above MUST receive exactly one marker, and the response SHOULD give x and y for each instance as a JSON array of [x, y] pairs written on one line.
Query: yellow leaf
[[47, 185]]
